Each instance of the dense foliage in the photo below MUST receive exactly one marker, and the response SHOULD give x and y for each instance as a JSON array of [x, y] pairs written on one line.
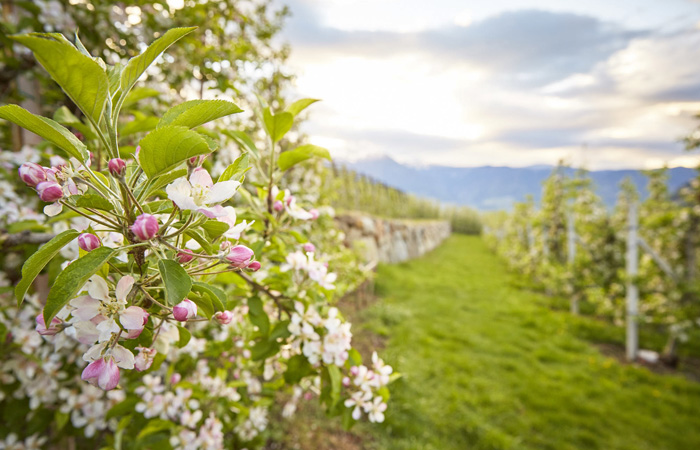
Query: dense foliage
[[538, 243]]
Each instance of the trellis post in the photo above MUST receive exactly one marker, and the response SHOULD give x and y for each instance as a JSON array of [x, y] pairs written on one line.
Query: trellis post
[[632, 336], [571, 257]]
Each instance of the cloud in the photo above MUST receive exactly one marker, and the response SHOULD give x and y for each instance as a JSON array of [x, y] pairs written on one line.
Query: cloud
[[526, 47]]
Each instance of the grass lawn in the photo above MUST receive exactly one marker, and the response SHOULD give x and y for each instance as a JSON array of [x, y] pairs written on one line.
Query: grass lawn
[[488, 365]]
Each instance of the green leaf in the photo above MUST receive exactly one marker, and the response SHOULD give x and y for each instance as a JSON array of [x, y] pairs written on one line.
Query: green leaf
[[46, 128], [194, 113], [201, 240], [122, 408], [244, 141], [80, 77], [114, 74], [61, 419], [154, 426], [354, 357], [258, 316], [176, 280], [140, 124], [236, 170], [217, 296], [139, 94], [215, 228], [73, 278], [36, 263], [264, 349], [297, 368], [65, 117], [336, 381], [280, 330], [166, 148], [138, 64], [300, 105], [277, 125], [301, 153], [204, 305], [185, 336], [94, 201], [163, 180]]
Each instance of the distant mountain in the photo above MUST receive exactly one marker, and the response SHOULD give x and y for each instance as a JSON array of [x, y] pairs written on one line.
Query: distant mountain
[[492, 188]]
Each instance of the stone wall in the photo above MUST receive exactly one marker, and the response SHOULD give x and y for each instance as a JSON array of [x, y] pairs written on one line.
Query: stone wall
[[391, 240]]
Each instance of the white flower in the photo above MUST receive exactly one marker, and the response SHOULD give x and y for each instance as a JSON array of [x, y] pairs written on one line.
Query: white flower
[[200, 193], [375, 410], [358, 400]]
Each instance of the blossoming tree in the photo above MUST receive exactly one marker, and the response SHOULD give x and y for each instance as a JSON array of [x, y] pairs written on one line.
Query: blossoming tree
[[186, 304]]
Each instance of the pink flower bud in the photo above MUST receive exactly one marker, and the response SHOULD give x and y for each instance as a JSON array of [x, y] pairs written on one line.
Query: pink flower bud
[[79, 135], [354, 371], [137, 152], [184, 310], [246, 354], [223, 317], [240, 256], [309, 247], [254, 266], [289, 200], [117, 167], [103, 373], [52, 330], [346, 381], [314, 213], [144, 359], [175, 378], [145, 227], [196, 161], [278, 206], [32, 174], [49, 191], [184, 256], [88, 242]]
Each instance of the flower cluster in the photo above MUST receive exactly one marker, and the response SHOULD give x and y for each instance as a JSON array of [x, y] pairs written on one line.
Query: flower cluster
[[366, 385]]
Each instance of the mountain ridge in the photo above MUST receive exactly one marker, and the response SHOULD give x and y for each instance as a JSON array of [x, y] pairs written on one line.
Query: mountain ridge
[[488, 188]]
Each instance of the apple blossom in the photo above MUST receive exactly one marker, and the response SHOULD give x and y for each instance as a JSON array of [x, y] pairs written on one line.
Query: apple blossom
[[32, 174], [49, 191], [52, 330], [254, 266], [144, 359], [223, 317], [117, 167], [309, 247], [184, 310], [240, 256], [199, 193], [145, 227], [88, 242], [184, 256]]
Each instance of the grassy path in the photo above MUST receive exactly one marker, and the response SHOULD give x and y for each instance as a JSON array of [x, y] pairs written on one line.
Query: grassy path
[[488, 365]]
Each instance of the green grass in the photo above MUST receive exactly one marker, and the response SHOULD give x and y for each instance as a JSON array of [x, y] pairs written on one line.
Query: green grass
[[487, 365]]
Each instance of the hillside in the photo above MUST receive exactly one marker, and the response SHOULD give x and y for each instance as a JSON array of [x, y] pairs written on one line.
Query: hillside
[[490, 188]]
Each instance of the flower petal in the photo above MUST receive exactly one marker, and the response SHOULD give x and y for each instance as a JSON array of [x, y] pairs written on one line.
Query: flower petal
[[124, 287], [133, 318], [123, 357], [223, 191], [93, 370], [200, 177], [85, 306], [97, 288], [180, 192], [109, 377], [53, 209]]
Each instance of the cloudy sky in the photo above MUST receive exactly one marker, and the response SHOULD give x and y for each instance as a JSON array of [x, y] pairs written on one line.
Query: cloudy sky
[[601, 83]]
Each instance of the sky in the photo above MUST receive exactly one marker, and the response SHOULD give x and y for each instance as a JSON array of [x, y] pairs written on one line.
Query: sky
[[601, 84]]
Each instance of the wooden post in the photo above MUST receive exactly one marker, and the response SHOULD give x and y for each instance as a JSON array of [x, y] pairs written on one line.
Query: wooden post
[[632, 337], [571, 257]]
